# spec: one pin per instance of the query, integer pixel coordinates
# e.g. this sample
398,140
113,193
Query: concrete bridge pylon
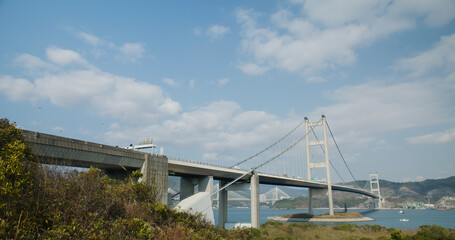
325,164
374,187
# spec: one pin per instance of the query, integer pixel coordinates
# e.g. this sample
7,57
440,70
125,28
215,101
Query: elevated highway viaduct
117,161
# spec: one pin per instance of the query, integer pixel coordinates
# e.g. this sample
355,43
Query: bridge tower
374,187
325,164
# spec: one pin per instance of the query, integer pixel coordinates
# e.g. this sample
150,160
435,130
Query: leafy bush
397,235
434,232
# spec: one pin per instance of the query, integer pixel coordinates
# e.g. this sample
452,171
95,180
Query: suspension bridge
273,195
300,158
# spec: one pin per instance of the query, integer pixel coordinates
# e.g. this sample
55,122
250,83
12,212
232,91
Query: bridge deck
182,168
85,154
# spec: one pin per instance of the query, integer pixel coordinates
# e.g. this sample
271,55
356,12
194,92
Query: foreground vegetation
278,230
39,202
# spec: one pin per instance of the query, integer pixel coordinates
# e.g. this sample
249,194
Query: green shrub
303,225
271,223
373,228
434,232
345,227
396,235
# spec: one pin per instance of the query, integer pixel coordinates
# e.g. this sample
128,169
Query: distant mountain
395,193
436,188
398,193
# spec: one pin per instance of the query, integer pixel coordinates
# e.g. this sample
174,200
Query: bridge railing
242,169
224,166
205,163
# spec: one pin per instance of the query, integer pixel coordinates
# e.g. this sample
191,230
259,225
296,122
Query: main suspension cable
324,153
262,164
275,143
355,180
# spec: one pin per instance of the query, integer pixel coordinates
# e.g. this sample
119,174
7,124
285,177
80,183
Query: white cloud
115,125
89,38
315,79
134,102
217,31
192,83
303,47
335,13
219,127
129,52
223,81
169,82
434,138
252,68
132,51
31,63
326,34
64,56
197,31
435,13
126,99
439,57
363,111
73,88
17,89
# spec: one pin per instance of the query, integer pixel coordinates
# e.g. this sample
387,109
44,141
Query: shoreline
335,220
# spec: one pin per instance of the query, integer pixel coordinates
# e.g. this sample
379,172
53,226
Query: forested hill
396,194
434,187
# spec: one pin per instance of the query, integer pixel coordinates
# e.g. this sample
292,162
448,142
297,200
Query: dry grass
276,230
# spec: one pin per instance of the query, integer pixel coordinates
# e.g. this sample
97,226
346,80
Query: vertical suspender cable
275,143
355,180
324,152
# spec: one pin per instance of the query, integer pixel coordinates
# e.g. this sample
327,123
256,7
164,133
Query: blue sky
217,81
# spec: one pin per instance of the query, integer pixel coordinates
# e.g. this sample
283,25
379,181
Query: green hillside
437,188
396,194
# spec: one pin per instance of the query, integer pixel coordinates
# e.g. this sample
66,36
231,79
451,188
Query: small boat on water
400,212
404,220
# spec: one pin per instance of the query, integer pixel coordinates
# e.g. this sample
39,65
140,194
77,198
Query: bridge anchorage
197,179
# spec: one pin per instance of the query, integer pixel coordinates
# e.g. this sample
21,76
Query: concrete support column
310,201
146,169
155,172
255,206
187,184
205,184
222,205
186,187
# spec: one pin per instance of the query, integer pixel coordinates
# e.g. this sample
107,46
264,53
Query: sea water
389,218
